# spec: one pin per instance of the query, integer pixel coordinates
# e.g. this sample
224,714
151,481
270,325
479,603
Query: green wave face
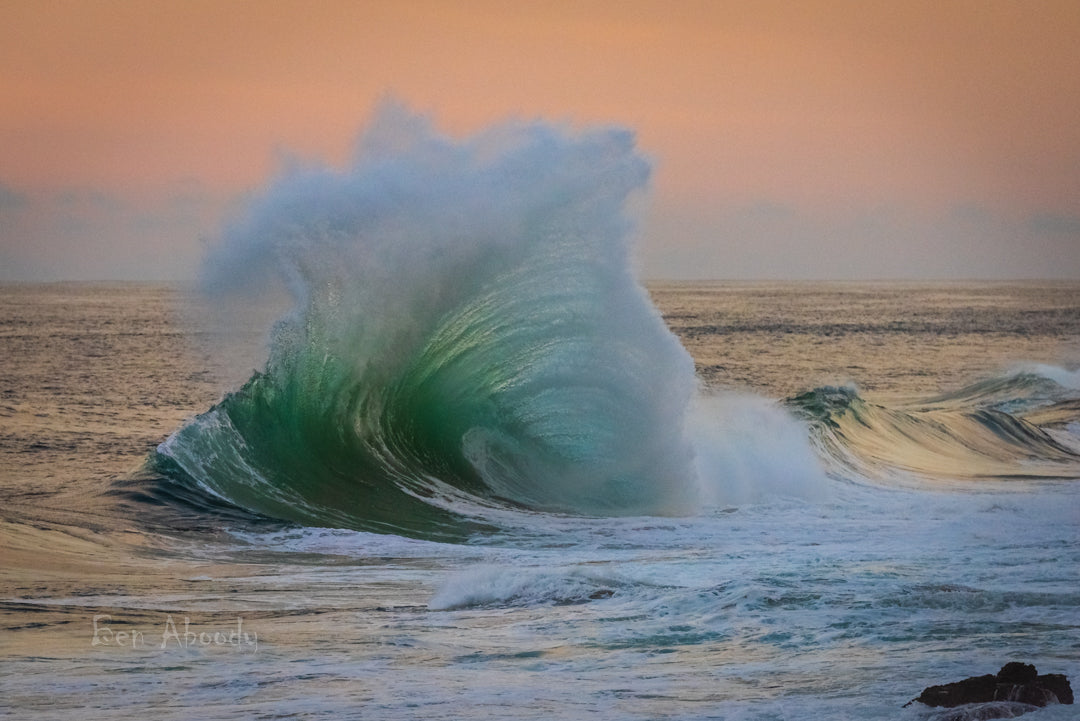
467,334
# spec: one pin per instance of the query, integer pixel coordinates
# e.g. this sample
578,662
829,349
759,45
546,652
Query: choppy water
944,541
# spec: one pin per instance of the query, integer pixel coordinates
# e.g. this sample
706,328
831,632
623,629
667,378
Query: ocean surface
942,539
421,446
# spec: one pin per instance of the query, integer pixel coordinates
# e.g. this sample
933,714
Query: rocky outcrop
1018,684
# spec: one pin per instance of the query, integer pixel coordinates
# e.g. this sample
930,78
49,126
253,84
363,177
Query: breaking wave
466,330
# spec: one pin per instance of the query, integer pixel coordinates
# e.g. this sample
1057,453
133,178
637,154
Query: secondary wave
466,332
1020,425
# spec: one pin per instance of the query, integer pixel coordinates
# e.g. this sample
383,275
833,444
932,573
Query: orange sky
791,139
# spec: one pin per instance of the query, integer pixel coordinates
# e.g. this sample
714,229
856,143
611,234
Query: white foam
1069,379
749,450
510,586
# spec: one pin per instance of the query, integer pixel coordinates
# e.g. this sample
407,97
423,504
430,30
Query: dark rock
969,691
1016,682
1059,685
1016,672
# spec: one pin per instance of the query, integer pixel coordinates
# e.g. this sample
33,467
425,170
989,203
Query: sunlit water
834,601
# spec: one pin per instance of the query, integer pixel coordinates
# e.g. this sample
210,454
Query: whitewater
423,445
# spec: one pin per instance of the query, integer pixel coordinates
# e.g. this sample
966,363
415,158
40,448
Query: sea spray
750,449
466,328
